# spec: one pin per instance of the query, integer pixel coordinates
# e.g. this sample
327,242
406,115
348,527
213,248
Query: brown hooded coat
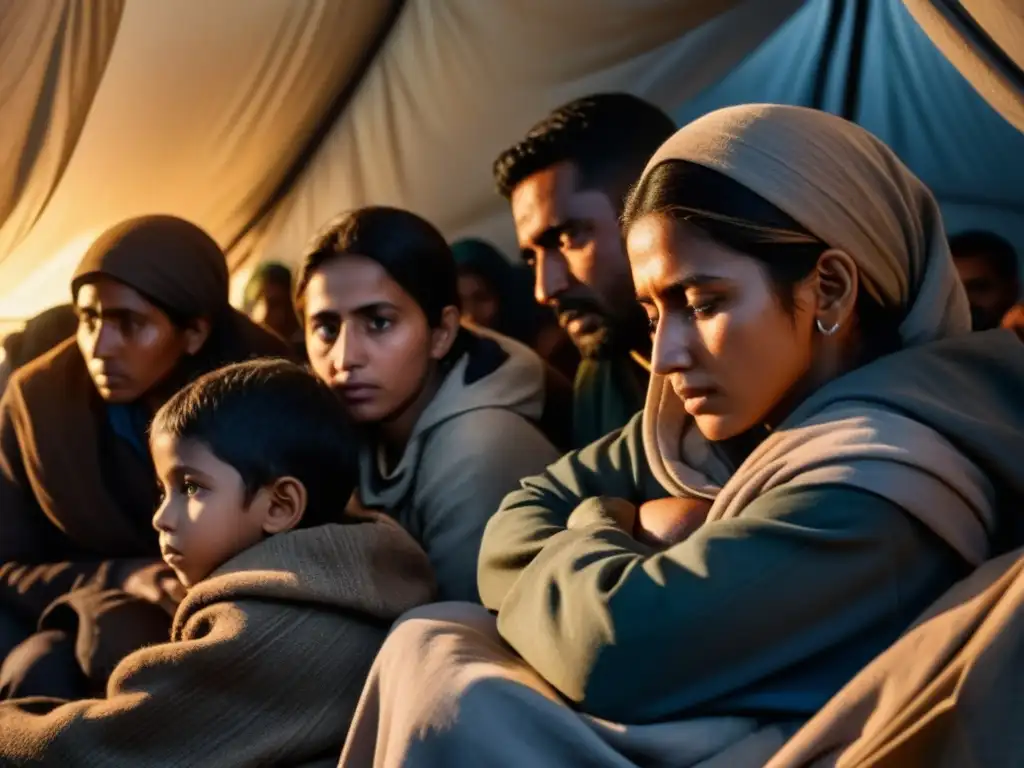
76,500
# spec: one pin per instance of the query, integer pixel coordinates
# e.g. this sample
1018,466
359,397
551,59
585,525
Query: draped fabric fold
53,57
456,82
203,109
946,695
253,117
984,39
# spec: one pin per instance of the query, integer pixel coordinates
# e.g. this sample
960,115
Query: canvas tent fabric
459,81
260,119
201,110
54,57
870,53
204,109
984,39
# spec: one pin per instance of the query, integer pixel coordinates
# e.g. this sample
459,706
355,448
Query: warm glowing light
48,284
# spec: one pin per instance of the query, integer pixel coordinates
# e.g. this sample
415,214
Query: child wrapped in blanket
288,600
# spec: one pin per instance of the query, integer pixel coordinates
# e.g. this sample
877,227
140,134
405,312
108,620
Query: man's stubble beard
618,337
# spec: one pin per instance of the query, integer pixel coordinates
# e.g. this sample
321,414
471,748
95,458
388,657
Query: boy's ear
287,499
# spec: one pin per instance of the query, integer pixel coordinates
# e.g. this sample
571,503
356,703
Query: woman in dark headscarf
497,295
77,489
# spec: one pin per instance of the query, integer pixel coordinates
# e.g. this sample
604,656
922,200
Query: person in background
816,381
288,599
498,295
40,334
77,487
1014,320
566,182
268,301
452,418
989,271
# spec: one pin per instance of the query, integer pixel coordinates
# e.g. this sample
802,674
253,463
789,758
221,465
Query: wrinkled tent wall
202,111
213,110
55,54
207,109
458,81
867,60
984,39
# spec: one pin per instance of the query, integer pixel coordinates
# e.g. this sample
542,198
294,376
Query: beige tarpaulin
54,56
460,80
985,41
259,119
205,107
201,111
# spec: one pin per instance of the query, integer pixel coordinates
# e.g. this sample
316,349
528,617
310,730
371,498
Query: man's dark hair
271,419
608,137
989,246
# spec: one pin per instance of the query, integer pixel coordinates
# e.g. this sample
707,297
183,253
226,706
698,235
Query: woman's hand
663,522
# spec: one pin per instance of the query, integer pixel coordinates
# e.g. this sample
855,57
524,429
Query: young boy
287,602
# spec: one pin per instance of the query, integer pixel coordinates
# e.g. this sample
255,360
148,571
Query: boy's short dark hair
608,137
270,419
989,246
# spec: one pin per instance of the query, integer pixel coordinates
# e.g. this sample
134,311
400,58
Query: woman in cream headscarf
817,405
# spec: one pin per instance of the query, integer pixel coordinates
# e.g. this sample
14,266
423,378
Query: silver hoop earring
827,331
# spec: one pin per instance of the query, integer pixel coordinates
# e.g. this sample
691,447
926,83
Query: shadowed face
368,338
570,237
480,305
732,352
273,308
990,294
129,345
203,519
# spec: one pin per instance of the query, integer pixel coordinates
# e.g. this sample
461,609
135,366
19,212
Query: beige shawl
851,191
947,695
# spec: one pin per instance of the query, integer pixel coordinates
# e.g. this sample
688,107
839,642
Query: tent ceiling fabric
224,112
202,109
458,81
984,39
54,55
